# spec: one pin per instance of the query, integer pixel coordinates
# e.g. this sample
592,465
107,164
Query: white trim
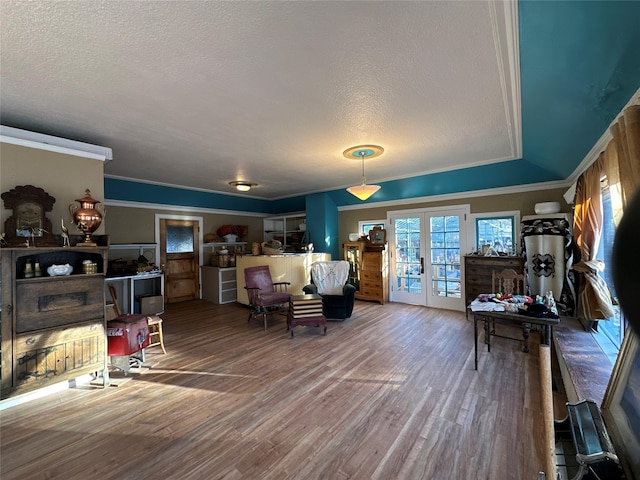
460,195
233,193
181,208
25,138
510,84
45,391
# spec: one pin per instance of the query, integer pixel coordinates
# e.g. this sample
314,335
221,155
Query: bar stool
155,332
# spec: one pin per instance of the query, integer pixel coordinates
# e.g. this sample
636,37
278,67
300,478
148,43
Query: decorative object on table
29,205
363,191
59,270
272,247
65,234
378,236
353,237
89,267
255,248
87,217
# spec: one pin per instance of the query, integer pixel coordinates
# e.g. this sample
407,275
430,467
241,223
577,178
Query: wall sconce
243,186
363,191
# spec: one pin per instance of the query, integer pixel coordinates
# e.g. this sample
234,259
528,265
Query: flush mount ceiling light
363,191
243,186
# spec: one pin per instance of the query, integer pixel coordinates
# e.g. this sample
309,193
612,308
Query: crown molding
40,141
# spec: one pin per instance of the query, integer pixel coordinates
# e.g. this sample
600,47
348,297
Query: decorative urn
87,217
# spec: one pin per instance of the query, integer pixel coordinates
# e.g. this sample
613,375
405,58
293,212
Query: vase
86,217
230,238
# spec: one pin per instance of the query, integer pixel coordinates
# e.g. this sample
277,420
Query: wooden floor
389,394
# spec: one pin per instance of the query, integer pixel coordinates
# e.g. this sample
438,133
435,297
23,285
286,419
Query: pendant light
363,191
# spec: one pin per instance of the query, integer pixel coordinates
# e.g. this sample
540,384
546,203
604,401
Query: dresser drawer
367,275
51,302
44,338
371,292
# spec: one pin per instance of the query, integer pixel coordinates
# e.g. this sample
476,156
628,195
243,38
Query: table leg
487,332
475,337
526,330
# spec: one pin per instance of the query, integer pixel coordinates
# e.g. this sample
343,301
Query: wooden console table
505,318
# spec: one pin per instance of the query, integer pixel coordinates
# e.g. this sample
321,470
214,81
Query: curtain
594,299
620,162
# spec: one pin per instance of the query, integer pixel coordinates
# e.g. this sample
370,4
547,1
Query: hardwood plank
390,393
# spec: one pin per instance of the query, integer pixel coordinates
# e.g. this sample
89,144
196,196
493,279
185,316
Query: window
365,225
497,230
610,332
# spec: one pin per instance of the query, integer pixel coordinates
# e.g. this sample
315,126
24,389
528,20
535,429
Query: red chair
265,296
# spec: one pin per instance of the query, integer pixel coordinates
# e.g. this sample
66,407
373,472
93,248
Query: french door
426,247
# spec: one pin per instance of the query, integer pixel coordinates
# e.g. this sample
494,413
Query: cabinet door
57,354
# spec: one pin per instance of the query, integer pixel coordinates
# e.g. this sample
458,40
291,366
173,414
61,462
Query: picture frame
378,236
621,404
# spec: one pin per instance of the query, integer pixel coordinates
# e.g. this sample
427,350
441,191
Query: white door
426,248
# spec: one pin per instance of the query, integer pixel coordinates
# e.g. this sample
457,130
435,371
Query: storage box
127,334
151,304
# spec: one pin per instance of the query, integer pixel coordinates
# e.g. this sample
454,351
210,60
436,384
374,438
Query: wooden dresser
374,277
53,327
478,270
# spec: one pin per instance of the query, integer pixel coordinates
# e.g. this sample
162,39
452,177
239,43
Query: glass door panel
408,267
446,283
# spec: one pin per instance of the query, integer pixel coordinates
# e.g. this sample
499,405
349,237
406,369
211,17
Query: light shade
243,186
363,191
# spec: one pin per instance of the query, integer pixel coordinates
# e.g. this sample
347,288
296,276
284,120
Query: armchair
329,280
265,296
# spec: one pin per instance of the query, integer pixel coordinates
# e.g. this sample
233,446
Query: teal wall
322,224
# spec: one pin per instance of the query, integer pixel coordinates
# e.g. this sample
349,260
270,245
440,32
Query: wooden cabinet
368,271
53,327
219,284
478,271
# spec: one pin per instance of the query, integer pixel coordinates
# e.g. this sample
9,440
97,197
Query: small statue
65,234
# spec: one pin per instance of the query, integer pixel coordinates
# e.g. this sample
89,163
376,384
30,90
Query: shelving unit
219,284
130,287
286,229
53,327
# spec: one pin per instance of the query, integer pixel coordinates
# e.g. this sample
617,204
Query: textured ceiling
198,94
202,93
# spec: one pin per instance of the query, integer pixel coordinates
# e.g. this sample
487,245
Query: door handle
421,265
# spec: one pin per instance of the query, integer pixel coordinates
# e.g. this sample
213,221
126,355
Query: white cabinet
219,284
288,229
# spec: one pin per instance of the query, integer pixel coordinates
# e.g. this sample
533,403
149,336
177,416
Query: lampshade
243,186
363,191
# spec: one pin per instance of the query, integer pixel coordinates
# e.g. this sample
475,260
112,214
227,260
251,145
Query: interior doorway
180,241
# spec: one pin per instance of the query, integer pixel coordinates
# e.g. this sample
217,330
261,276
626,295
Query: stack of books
305,306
